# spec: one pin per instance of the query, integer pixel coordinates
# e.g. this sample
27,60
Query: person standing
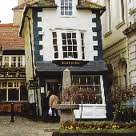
53,101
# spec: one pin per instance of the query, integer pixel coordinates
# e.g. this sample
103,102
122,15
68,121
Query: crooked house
60,35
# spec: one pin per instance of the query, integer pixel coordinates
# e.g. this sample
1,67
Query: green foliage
118,99
97,125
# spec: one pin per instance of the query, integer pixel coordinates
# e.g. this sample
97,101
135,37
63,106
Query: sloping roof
9,38
40,3
86,4
82,4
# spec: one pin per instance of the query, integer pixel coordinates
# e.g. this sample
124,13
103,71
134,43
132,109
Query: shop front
85,75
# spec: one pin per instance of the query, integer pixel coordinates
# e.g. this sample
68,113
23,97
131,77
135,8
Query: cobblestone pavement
25,127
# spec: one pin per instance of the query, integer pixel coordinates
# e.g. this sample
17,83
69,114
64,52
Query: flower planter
67,111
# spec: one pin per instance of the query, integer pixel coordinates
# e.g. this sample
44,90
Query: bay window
69,46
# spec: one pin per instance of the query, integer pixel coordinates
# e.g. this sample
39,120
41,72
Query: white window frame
9,62
67,6
15,85
93,85
79,42
74,10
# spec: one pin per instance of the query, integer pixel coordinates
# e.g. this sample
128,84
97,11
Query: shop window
90,82
13,94
3,94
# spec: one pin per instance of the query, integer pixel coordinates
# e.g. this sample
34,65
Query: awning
91,66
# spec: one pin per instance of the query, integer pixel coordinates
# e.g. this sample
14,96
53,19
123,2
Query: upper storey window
66,8
68,45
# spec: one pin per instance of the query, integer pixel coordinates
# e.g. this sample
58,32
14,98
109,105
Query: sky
6,13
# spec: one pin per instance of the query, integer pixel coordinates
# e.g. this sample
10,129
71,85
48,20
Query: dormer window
66,8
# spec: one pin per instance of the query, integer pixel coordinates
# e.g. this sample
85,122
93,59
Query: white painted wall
81,21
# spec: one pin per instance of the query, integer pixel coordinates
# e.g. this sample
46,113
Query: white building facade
66,34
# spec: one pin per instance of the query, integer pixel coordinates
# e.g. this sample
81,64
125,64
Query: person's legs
53,111
56,112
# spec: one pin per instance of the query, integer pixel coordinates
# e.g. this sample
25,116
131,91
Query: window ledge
107,34
64,16
120,24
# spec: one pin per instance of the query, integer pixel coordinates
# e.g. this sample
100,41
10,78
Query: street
25,127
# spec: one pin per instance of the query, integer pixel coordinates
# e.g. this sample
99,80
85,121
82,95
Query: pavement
25,127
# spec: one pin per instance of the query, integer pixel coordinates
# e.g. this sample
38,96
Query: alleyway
25,127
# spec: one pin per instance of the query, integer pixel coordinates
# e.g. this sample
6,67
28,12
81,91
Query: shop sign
70,62
33,84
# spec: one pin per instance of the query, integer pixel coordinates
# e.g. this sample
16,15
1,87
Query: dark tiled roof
82,4
40,3
94,66
45,3
9,38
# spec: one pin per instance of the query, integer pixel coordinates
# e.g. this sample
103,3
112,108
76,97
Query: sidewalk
25,127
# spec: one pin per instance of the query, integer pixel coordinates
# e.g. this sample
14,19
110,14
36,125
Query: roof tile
9,38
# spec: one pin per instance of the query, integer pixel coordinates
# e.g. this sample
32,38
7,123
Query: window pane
64,42
97,80
54,34
98,89
70,54
63,36
20,61
73,35
55,48
75,54
74,42
4,84
56,55
65,55
10,84
70,12
74,48
23,93
69,35
62,2
69,48
13,61
69,42
90,80
3,93
13,95
55,41
82,80
64,48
